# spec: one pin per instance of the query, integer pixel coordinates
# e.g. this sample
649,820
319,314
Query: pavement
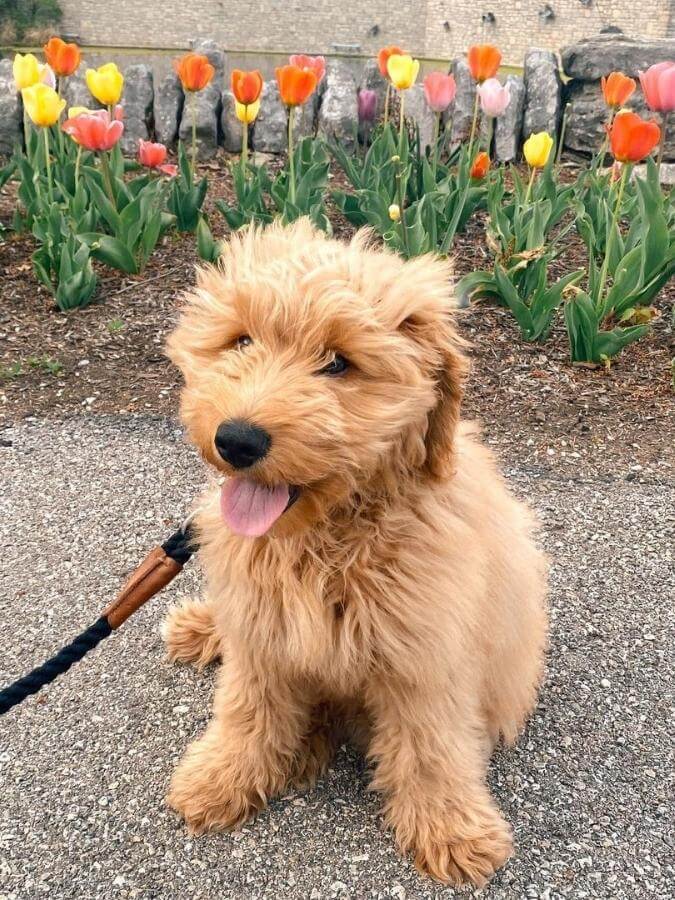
84,767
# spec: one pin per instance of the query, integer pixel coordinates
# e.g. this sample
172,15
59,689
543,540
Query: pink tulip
658,86
153,156
439,90
316,64
48,77
96,131
494,97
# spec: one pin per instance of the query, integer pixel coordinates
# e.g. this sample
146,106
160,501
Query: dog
368,574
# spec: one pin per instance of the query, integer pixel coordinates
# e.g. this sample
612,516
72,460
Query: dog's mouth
250,508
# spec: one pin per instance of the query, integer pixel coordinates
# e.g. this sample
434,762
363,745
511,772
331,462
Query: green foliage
261,199
186,197
62,261
208,247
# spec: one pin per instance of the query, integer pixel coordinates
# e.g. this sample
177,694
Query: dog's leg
247,752
189,632
430,765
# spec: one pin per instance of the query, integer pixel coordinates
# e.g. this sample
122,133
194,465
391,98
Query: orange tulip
194,70
296,85
246,86
63,58
383,58
617,88
632,138
481,166
484,61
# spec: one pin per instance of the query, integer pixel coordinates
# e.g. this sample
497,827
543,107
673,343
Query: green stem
561,139
48,163
77,164
401,123
105,169
662,143
244,147
530,185
610,238
400,187
291,161
386,105
437,128
193,111
491,131
473,125
26,135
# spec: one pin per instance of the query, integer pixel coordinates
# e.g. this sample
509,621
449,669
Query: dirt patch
536,407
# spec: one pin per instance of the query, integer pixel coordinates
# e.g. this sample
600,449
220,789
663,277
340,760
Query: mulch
536,408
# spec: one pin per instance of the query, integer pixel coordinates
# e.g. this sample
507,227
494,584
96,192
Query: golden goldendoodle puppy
366,566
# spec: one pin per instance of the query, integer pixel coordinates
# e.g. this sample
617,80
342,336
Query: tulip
481,166
246,86
195,71
316,64
382,61
402,70
153,156
439,91
394,212
494,97
63,58
75,111
616,89
484,61
96,131
537,149
247,113
43,104
632,138
658,86
366,103
48,77
105,84
26,71
296,86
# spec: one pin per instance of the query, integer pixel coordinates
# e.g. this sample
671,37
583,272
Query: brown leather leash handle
158,568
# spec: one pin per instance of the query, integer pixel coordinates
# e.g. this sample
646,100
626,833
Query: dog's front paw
203,793
452,855
189,633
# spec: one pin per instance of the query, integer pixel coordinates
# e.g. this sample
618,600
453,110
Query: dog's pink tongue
250,509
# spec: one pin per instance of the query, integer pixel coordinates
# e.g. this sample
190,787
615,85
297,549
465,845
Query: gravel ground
83,769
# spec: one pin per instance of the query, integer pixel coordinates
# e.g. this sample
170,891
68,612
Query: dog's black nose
241,443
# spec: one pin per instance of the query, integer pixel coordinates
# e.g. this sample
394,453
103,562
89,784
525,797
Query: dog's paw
190,635
460,860
203,796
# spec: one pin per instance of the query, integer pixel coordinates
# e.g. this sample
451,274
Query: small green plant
186,197
115,325
62,261
45,364
13,370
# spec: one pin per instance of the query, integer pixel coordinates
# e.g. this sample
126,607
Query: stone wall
435,29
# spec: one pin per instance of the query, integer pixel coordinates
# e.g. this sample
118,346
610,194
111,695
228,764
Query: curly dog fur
400,600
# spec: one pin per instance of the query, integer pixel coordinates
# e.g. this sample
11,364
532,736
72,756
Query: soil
536,408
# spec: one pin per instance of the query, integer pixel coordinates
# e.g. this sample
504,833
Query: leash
157,570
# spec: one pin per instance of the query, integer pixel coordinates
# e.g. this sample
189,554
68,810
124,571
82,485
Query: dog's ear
423,305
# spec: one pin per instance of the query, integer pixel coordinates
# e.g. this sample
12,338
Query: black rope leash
156,571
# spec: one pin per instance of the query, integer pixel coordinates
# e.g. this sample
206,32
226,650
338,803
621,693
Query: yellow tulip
247,113
537,149
394,212
43,104
75,111
402,70
105,84
26,71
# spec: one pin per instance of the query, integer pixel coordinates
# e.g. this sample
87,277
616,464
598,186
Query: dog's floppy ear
423,305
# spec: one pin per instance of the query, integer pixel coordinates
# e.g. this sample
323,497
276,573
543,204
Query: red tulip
316,64
383,58
246,86
296,85
151,155
96,130
439,90
658,86
481,166
63,58
616,89
484,61
632,138
194,70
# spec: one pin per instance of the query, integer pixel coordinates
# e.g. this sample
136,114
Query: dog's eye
243,341
336,366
